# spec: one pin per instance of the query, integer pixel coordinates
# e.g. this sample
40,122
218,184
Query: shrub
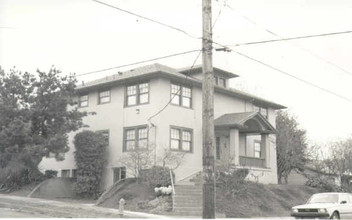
16,175
91,161
50,174
156,177
232,182
323,183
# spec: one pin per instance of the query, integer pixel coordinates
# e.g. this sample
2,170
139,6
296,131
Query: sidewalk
81,210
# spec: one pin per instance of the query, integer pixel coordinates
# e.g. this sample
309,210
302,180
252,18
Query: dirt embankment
258,200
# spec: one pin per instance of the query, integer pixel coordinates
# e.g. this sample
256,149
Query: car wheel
335,215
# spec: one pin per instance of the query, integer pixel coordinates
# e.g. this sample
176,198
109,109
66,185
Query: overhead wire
139,62
228,49
146,18
278,36
291,38
293,76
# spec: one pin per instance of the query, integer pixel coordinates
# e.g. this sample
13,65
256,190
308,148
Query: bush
91,161
156,177
16,175
323,183
232,182
50,174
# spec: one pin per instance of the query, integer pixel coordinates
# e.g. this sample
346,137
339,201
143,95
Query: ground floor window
181,139
74,173
218,148
257,150
119,174
65,173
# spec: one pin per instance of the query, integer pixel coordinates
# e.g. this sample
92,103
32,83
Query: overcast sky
80,36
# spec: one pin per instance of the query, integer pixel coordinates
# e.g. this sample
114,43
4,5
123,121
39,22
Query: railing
173,191
252,162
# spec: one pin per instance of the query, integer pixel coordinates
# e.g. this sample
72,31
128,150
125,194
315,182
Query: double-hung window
104,97
135,138
257,149
137,94
83,101
181,95
181,139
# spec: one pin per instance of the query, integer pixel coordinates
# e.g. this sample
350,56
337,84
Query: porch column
235,146
265,148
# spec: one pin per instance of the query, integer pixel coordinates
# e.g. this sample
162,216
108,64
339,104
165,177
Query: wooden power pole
208,115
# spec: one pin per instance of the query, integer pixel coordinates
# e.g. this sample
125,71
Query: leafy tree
90,157
291,146
35,117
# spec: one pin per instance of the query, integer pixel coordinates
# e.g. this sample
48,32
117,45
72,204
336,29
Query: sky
82,36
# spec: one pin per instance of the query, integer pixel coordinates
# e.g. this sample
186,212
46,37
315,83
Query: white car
325,205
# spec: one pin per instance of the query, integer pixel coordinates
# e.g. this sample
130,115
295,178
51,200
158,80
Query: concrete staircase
188,197
188,200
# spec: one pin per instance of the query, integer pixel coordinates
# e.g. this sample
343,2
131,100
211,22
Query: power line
223,6
139,62
290,38
292,76
149,19
278,36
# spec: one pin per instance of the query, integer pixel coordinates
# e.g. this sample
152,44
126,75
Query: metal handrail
173,190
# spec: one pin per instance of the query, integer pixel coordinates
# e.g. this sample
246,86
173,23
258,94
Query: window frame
180,147
79,101
73,173
138,94
136,137
68,173
99,97
181,95
218,79
217,148
260,149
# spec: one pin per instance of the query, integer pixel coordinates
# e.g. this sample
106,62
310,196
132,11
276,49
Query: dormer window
220,81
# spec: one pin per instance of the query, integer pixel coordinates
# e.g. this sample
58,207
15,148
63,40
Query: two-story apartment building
128,104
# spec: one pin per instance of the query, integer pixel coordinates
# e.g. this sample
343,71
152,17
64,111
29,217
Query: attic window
220,81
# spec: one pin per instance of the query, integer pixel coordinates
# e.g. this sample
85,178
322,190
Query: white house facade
127,107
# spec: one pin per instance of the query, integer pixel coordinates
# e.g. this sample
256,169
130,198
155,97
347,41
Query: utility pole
208,115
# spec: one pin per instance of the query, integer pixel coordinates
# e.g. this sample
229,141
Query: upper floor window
104,97
135,138
257,149
181,139
181,95
83,101
137,94
220,81
263,111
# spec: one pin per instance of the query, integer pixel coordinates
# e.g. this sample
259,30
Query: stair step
186,213
188,208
